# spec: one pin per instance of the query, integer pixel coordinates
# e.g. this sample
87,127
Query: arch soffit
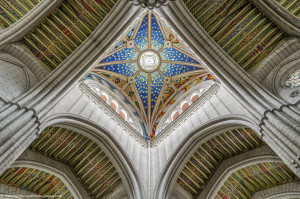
183,152
108,143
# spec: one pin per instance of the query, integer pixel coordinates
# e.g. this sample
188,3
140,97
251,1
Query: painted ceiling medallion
149,61
149,66
151,4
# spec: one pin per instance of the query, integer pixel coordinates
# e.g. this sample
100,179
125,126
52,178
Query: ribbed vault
36,181
151,66
206,159
253,178
239,27
86,159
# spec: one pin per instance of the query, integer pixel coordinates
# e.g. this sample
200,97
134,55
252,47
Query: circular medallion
149,61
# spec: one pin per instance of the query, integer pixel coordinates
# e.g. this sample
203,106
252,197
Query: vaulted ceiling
207,158
61,32
150,90
36,181
86,159
240,28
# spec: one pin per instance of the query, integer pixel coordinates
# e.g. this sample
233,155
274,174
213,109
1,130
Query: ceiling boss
149,61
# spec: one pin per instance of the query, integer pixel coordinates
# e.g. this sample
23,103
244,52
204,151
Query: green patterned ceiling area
240,28
293,6
86,159
60,33
13,10
36,181
246,181
208,157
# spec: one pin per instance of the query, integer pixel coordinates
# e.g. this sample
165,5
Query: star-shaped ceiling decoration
150,66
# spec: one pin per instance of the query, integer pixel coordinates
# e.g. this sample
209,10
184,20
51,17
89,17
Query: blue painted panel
124,54
157,38
141,38
175,69
157,82
175,55
126,69
141,82
118,45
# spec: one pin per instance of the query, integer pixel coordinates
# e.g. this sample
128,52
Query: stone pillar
18,129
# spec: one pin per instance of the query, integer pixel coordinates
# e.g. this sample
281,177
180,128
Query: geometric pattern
149,91
246,181
240,28
36,181
12,11
89,163
208,157
64,29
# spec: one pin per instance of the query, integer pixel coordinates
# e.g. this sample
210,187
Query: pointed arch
270,167
188,146
110,146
